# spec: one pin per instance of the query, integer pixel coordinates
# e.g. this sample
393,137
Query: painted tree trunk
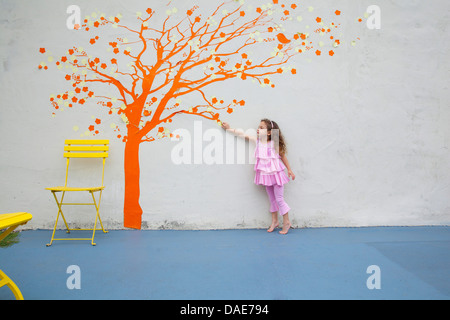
132,209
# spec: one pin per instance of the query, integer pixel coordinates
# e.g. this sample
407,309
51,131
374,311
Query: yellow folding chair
10,221
81,149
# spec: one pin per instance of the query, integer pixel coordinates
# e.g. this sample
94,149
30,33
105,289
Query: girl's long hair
278,138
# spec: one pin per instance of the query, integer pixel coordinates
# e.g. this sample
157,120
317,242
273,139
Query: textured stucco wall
368,131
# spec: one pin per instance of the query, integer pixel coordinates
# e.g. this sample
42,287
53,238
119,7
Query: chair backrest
86,149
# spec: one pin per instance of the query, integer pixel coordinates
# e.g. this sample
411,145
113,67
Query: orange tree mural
170,54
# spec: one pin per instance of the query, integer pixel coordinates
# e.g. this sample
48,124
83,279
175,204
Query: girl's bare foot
286,228
272,226
274,222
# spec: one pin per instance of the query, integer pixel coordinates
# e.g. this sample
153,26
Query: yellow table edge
14,219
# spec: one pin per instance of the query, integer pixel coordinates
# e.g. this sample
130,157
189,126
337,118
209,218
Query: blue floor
328,263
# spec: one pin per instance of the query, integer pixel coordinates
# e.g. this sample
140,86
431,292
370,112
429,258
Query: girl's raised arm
238,132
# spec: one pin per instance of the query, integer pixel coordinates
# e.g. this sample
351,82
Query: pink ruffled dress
268,167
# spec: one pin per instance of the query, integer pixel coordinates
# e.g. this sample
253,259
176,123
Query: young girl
270,163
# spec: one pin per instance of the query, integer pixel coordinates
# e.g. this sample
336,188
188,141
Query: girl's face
262,130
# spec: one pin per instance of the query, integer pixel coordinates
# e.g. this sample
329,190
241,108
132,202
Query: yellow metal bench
10,221
81,149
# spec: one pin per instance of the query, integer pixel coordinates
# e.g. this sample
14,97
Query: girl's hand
225,125
291,174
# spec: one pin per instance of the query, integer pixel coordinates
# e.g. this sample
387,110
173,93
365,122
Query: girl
270,163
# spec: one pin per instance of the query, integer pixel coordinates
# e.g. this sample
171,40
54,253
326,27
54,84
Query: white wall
368,130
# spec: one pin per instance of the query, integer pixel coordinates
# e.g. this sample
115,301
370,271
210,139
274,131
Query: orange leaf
282,38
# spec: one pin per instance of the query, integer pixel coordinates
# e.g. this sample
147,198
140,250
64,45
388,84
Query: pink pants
276,198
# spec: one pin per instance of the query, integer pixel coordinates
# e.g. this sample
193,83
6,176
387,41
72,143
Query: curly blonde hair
281,146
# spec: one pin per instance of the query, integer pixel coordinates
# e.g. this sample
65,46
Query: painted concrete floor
328,263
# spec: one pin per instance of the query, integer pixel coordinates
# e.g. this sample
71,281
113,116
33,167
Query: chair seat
60,189
14,219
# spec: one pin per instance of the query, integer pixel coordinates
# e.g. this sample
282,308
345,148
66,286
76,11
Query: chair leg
97,215
59,204
97,207
5,280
